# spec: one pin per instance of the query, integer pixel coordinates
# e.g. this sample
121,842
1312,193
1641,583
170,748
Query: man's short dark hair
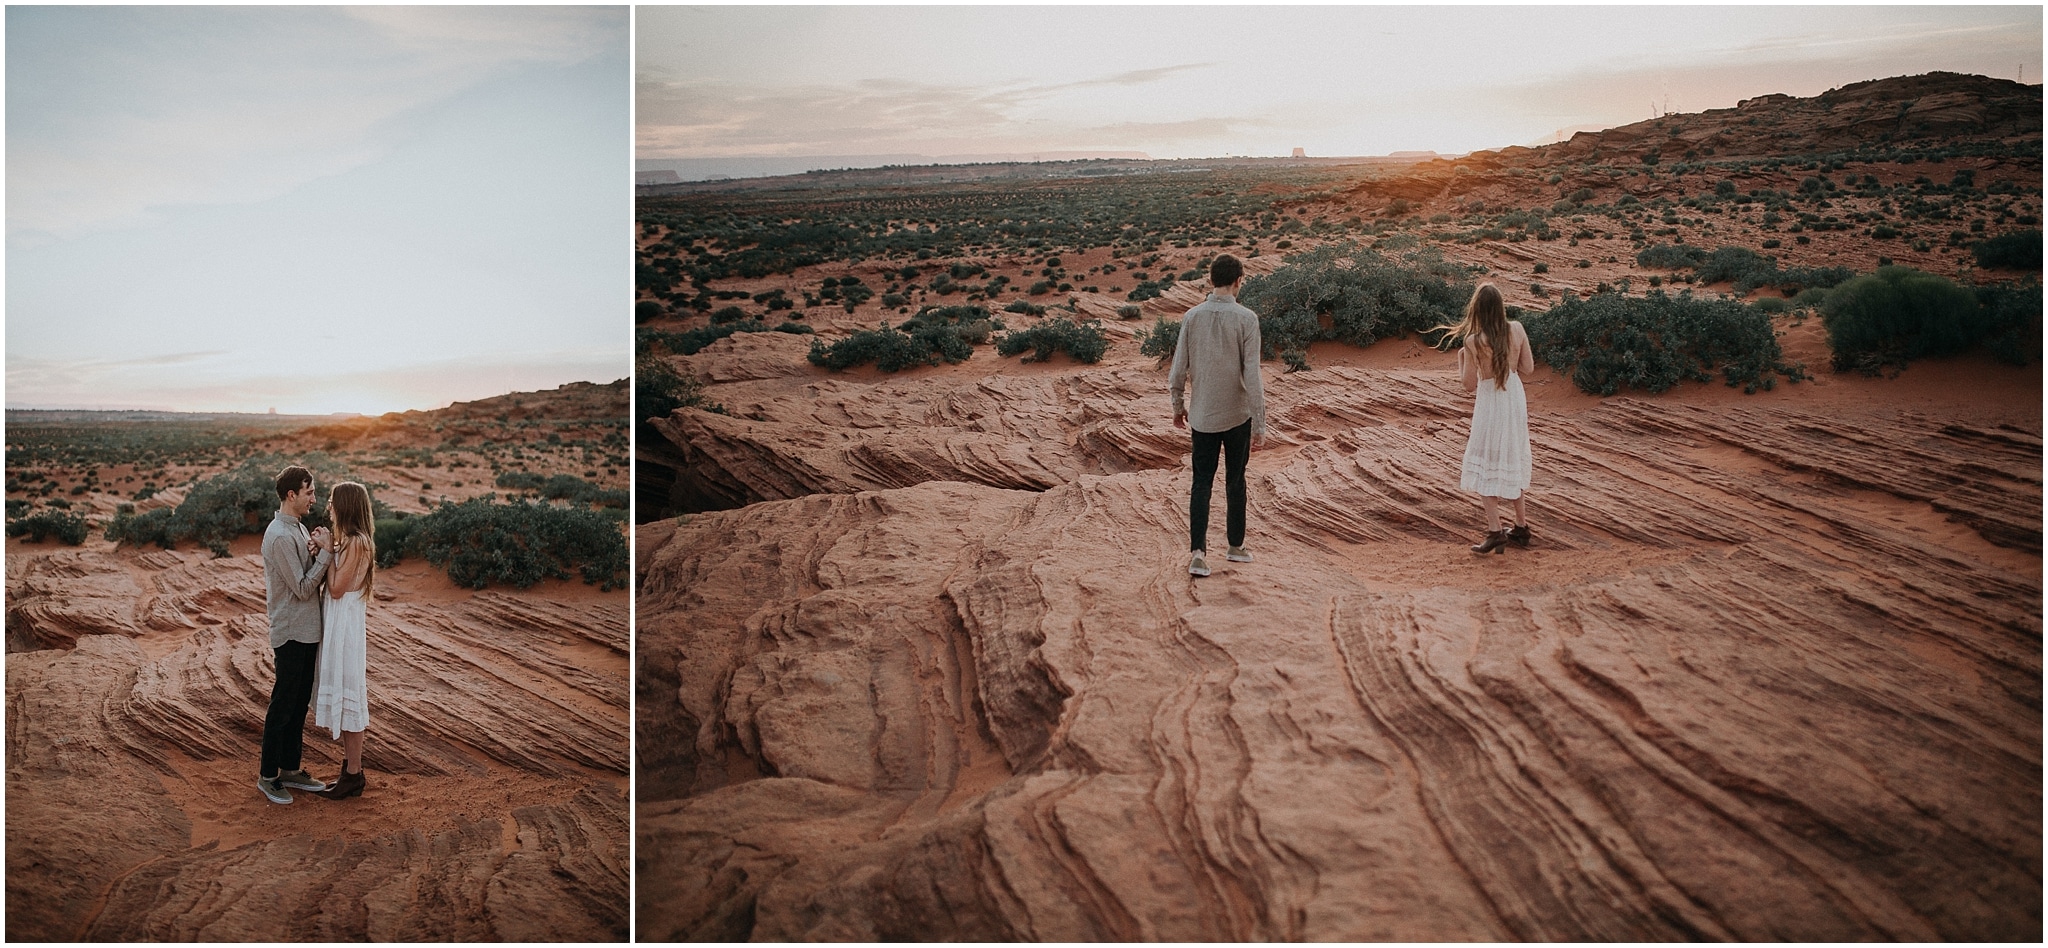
1225,271
291,479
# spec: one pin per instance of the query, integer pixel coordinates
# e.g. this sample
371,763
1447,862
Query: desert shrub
142,529
1350,294
1748,270
1026,307
1609,341
480,543
1670,256
1810,298
68,528
2012,322
1772,305
648,309
1889,318
947,333
1149,289
1159,341
226,505
659,390
889,349
392,535
972,323
729,314
519,480
1083,341
1129,311
2020,250
693,341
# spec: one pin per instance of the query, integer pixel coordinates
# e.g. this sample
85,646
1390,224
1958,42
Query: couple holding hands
317,585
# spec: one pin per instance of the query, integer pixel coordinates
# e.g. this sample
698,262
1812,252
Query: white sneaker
1238,554
1199,564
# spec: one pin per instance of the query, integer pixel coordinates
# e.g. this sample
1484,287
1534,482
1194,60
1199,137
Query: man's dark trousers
1236,445
284,727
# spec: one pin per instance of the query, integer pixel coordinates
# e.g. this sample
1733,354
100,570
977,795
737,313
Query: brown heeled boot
1493,543
348,785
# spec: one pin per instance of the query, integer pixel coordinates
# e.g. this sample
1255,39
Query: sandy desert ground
922,659
136,687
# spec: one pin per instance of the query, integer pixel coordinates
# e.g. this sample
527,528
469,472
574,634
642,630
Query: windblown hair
348,504
1486,316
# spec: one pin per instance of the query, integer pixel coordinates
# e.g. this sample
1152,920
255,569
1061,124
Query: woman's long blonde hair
1486,315
349,507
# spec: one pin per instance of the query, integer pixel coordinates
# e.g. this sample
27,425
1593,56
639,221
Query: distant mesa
657,177
1300,153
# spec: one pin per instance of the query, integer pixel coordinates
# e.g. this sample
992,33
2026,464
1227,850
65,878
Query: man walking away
293,565
1218,356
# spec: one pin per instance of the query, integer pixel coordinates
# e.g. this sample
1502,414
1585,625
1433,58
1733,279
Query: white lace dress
1497,452
341,700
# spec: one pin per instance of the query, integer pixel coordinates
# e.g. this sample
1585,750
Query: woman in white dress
1494,355
341,703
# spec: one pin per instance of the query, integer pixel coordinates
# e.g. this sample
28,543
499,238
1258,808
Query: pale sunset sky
314,209
1208,81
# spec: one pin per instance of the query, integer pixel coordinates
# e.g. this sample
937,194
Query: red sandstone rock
1771,669
136,688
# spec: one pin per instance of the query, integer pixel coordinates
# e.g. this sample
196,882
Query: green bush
1025,307
519,480
392,536
693,341
1083,341
241,501
2020,250
648,309
935,334
888,348
1670,256
660,390
481,543
1748,270
1351,294
2012,322
68,528
1889,318
1159,341
142,529
1609,341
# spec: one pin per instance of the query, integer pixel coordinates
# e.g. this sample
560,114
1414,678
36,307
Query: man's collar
286,517
1225,297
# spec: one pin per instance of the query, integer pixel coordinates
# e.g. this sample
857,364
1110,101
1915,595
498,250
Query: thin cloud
246,104
708,118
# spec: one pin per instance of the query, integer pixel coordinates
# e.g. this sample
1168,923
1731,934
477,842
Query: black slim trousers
1236,445
284,727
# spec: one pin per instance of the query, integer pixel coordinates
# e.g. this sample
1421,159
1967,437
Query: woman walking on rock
1491,361
342,705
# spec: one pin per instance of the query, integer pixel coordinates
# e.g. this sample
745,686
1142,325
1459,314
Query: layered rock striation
1768,671
136,690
